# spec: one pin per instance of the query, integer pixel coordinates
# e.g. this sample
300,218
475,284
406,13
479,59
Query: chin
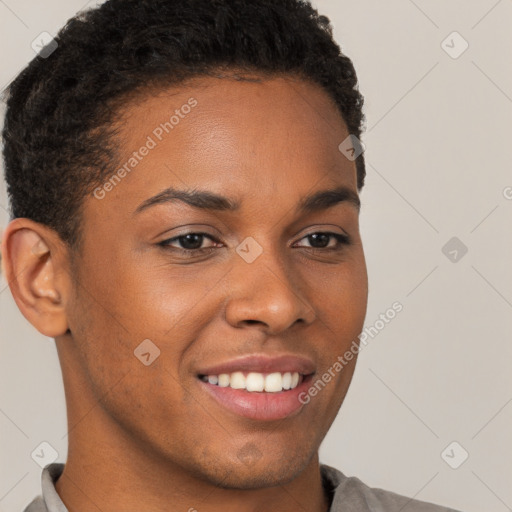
257,473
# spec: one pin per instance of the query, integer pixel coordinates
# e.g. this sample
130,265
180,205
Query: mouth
258,396
259,388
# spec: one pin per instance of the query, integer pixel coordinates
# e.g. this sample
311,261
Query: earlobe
34,260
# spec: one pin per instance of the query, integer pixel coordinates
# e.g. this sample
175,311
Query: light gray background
438,155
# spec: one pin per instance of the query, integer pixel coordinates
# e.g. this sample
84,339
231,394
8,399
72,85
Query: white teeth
237,380
223,380
256,382
274,382
287,380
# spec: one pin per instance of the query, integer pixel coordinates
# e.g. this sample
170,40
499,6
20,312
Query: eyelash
342,240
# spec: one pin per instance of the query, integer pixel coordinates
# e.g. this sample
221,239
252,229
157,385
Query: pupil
191,241
319,236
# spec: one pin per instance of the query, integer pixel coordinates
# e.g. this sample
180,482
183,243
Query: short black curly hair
59,141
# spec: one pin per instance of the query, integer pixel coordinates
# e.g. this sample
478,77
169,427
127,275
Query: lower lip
259,405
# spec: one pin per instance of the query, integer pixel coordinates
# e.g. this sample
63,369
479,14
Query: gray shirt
347,494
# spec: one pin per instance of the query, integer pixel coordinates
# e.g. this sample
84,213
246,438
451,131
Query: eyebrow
205,200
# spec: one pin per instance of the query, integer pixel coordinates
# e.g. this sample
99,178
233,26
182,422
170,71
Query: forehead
237,138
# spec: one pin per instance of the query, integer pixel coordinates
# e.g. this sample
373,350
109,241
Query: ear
35,262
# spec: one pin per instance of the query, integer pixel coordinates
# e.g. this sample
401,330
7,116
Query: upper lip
262,363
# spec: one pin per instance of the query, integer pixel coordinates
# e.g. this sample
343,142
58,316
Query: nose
266,292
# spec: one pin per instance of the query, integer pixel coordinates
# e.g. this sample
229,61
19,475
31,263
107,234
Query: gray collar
49,476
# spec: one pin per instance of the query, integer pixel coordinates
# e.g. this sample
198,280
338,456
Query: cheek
154,301
342,309
160,311
170,305
341,299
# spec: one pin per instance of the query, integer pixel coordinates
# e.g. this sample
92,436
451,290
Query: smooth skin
148,438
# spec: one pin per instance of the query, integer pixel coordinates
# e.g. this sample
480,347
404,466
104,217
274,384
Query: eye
322,239
188,242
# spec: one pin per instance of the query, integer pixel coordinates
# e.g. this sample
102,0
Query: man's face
254,285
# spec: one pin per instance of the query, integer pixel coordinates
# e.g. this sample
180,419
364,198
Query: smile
255,382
